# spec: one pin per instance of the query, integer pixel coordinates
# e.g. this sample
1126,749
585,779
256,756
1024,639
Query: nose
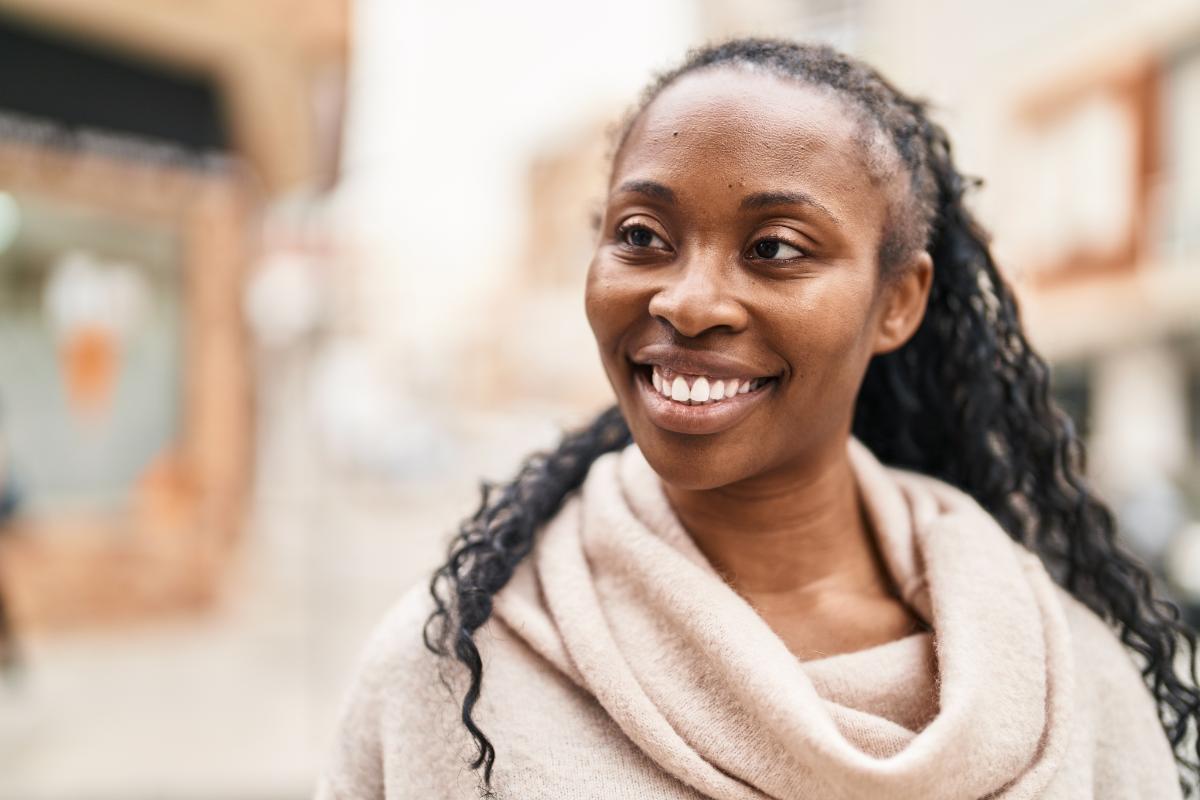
697,297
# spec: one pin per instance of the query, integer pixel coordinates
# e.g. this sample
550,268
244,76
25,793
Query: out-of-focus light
283,301
10,220
84,291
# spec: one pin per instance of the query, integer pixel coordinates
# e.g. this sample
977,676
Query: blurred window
1079,158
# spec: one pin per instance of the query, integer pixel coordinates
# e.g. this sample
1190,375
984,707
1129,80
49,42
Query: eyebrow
650,189
760,200
751,202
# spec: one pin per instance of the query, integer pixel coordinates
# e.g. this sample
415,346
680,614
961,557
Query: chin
693,463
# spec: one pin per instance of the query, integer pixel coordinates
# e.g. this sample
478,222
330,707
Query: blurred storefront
139,146
157,163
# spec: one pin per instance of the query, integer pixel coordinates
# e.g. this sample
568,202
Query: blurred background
281,280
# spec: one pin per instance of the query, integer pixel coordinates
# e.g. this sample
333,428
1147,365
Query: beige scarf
1019,692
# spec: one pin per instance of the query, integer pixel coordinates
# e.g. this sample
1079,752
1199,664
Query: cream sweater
618,664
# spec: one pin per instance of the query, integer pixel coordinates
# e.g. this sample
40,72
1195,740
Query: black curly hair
966,400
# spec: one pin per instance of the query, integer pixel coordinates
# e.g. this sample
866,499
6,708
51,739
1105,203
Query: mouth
698,404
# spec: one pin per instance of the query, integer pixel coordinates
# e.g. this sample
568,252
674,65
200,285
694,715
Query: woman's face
735,292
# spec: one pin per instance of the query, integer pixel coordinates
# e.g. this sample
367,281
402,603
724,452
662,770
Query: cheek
826,328
611,303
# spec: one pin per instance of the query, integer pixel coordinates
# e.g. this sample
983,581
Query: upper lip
697,362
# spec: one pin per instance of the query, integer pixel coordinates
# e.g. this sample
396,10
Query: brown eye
767,248
641,237
775,250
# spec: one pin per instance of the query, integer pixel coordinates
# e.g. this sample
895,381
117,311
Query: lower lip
699,419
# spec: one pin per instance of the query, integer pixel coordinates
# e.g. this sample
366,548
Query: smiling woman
718,589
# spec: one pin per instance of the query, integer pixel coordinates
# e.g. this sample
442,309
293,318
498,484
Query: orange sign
89,362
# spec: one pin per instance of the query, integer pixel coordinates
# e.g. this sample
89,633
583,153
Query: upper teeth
695,389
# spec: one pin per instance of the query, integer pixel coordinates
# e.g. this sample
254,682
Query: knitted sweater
619,664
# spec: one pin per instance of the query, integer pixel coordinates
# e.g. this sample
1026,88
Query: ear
903,303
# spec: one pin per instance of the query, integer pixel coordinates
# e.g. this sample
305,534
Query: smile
697,404
700,389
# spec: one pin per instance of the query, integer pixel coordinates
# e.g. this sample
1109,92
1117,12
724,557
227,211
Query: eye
775,250
641,237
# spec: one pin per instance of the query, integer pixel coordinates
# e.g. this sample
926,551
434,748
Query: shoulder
1116,714
398,638
394,700
397,677
1102,665
1102,662
1094,641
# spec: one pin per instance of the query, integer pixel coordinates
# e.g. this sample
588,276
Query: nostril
694,315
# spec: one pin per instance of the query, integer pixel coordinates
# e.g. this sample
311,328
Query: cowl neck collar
618,598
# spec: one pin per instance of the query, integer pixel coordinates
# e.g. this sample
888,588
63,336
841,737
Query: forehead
756,132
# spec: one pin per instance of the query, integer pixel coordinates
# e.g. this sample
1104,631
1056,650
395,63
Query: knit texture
619,664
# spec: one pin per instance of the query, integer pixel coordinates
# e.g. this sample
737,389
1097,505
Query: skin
772,500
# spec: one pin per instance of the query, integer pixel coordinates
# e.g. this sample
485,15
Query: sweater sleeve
355,766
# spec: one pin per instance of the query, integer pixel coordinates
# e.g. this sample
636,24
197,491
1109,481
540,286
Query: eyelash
783,242
627,228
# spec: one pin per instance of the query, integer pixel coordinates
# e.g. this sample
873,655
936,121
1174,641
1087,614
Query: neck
796,532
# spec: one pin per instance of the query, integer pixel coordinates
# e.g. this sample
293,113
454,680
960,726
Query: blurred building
159,164
139,145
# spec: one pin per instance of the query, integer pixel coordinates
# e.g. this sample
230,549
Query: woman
743,602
